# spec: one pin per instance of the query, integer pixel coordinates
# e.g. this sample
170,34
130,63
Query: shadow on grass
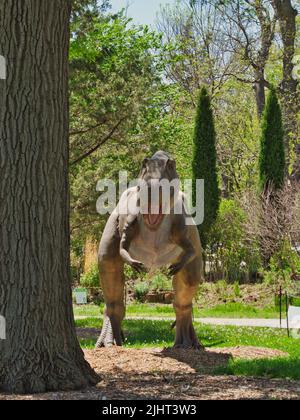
142,333
265,368
145,333
158,334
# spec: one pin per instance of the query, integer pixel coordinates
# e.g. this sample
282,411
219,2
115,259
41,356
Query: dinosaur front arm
188,254
126,239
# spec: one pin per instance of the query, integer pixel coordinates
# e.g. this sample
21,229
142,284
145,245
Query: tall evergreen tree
272,152
205,163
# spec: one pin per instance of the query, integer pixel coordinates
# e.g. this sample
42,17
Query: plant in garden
231,251
90,279
160,282
140,291
237,290
272,221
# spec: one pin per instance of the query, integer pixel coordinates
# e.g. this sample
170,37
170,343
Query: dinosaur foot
111,334
186,338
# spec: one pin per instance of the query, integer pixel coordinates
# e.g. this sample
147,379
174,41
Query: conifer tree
272,151
205,163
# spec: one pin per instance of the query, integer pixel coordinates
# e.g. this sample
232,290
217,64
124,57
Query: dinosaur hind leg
112,280
186,284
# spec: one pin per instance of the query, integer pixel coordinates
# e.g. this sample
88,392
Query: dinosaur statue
150,240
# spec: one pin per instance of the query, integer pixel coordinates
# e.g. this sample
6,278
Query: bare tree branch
98,145
87,130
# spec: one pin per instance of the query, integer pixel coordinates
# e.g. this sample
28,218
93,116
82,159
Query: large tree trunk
267,26
41,352
289,87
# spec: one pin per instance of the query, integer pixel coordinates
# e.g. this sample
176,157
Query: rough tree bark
260,93
267,31
287,14
41,352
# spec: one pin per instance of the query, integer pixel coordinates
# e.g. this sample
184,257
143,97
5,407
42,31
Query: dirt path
237,322
130,374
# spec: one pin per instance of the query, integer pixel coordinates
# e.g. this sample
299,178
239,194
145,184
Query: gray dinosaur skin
146,243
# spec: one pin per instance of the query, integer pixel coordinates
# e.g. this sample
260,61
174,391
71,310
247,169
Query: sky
142,11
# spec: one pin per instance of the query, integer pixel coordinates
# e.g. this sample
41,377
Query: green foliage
273,277
157,283
237,290
237,128
115,99
112,78
229,243
286,258
222,290
91,278
283,265
236,310
272,154
205,163
140,291
160,282
232,310
131,274
274,368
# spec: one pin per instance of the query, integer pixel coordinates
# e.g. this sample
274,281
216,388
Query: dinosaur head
158,177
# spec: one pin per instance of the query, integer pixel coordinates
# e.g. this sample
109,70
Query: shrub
90,278
131,274
234,256
222,290
237,290
283,266
160,282
140,291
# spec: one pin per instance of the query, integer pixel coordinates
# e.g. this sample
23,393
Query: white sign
294,320
2,67
2,328
80,296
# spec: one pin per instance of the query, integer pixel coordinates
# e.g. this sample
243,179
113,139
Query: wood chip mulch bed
149,374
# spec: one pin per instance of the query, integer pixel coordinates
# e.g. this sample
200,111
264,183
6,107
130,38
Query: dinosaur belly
154,251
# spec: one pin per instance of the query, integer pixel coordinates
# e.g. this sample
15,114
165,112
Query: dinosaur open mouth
154,217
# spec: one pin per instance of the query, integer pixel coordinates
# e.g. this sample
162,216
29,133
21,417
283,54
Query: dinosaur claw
111,334
174,269
138,266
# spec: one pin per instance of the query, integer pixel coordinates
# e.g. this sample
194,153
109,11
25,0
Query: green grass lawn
229,310
140,334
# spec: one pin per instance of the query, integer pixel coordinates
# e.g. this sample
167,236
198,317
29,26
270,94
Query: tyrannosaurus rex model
151,239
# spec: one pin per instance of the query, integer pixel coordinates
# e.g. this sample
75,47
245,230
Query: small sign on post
80,296
294,319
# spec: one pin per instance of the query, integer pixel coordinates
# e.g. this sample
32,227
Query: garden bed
167,374
165,297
